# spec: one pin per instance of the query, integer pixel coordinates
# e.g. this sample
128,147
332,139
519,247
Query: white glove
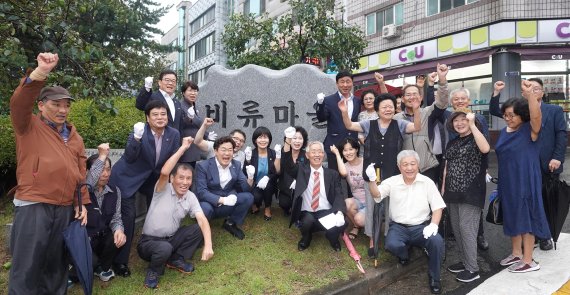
229,200
247,152
191,112
148,83
371,172
250,171
339,219
290,132
277,149
488,178
430,230
212,136
262,183
138,130
293,184
320,98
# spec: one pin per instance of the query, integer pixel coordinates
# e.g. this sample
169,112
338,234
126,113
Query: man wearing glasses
165,93
553,136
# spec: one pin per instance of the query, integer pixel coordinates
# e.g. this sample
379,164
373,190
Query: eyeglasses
509,116
237,139
536,89
173,81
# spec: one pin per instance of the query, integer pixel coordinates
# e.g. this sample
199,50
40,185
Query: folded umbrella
352,252
79,247
556,201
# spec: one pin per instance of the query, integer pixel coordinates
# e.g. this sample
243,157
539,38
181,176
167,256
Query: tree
105,46
308,30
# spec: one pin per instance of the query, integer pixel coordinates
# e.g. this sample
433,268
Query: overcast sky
168,20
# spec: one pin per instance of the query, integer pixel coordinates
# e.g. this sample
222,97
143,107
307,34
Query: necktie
158,146
316,190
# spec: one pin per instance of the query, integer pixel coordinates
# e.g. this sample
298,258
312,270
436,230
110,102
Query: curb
375,278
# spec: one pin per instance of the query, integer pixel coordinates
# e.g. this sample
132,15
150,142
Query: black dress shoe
122,270
482,244
545,245
232,228
434,286
301,246
336,246
266,218
403,261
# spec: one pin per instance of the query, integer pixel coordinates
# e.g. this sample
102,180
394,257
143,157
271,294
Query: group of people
425,159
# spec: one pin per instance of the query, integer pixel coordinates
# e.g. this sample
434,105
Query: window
391,15
256,7
202,48
437,6
202,20
199,75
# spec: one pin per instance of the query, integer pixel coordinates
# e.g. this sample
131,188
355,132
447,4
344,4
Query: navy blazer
137,165
145,96
328,111
333,190
552,138
208,186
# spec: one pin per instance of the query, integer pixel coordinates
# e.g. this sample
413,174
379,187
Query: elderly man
164,241
222,188
553,136
51,163
415,210
318,194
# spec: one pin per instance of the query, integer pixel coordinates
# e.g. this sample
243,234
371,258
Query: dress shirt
350,103
308,193
170,102
224,173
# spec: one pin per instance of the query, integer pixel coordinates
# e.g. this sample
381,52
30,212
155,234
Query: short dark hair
189,84
456,114
408,86
94,157
167,72
342,74
365,92
382,97
154,104
222,140
180,166
353,143
304,134
537,80
520,107
238,131
259,131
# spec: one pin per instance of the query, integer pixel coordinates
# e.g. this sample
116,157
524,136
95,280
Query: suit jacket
136,169
553,136
328,111
271,173
145,96
189,127
333,190
208,186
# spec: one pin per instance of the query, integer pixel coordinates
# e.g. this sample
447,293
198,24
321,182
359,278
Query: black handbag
494,212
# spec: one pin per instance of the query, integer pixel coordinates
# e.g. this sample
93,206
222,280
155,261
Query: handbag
495,212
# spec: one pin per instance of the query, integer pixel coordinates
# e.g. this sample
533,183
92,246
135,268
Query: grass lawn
265,262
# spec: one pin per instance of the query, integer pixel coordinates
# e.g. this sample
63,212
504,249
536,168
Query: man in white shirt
166,93
318,193
415,210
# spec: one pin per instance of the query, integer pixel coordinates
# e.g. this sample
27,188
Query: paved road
417,282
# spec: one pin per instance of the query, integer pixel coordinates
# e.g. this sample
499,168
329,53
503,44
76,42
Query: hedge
106,128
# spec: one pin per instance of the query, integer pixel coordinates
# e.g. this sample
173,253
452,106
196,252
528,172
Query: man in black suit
318,193
327,110
166,88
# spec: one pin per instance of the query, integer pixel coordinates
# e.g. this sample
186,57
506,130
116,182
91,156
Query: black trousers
264,195
128,214
285,200
39,260
310,224
158,250
104,250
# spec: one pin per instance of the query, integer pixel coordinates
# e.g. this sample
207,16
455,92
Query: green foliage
308,30
105,47
94,125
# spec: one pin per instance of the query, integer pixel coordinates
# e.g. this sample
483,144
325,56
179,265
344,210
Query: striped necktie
316,190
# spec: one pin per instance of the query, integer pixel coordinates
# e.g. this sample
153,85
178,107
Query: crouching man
164,241
411,197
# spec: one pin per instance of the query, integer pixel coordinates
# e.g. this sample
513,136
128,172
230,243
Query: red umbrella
391,89
352,252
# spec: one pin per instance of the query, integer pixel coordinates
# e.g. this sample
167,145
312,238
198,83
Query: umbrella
556,200
77,242
377,229
353,253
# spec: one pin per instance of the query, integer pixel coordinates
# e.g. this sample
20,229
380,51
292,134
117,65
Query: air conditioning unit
390,31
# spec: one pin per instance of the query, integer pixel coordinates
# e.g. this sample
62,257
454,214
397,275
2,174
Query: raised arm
480,139
416,126
533,107
98,165
199,141
442,99
170,163
381,83
348,124
430,96
494,107
340,163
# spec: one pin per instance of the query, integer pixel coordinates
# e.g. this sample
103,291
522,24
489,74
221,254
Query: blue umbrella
77,242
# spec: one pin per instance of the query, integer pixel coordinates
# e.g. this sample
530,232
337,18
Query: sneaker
151,279
523,267
545,245
456,268
467,276
104,276
180,265
511,259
